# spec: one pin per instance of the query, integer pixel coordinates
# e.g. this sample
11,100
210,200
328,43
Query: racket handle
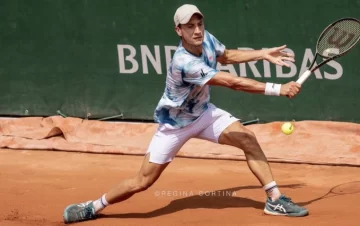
303,77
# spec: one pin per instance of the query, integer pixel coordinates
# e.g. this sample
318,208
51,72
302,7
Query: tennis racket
335,41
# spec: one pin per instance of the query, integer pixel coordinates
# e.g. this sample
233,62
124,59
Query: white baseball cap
184,13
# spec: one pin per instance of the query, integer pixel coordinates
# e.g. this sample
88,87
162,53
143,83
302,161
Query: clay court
37,185
48,164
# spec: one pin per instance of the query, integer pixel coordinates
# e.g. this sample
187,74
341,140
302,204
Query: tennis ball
287,128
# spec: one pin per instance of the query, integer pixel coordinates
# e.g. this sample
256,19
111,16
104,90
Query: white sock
272,190
100,204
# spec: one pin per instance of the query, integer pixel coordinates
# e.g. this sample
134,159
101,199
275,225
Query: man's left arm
275,55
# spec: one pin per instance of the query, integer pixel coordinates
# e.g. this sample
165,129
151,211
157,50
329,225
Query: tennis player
184,112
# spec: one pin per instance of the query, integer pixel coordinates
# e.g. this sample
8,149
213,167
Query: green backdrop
80,57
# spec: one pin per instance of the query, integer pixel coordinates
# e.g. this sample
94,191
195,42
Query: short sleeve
217,45
198,72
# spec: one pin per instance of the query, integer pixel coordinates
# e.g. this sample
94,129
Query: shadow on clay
221,200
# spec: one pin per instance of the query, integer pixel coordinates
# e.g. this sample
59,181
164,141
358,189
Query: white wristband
272,89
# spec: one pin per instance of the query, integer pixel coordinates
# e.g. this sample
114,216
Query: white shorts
167,141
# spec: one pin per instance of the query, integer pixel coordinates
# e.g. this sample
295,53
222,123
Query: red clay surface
36,186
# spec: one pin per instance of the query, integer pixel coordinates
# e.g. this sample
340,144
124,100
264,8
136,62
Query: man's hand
290,89
277,56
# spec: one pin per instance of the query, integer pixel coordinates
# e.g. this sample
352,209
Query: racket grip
303,77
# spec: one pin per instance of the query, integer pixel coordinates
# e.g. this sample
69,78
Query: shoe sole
300,214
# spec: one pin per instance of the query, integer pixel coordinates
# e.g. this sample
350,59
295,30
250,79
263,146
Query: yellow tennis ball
287,128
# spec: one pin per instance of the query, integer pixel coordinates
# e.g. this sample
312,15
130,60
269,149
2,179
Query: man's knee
143,183
247,139
148,175
239,136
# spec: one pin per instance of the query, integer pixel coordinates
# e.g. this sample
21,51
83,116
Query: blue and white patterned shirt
186,96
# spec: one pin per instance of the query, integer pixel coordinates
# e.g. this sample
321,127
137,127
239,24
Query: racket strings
339,38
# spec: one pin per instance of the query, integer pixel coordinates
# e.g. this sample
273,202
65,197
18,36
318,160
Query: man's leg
227,130
146,177
239,136
163,148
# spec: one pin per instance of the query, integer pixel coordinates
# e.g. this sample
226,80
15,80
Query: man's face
192,32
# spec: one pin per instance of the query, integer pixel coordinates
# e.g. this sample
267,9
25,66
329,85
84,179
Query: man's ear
178,30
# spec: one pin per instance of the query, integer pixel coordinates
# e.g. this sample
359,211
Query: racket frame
311,69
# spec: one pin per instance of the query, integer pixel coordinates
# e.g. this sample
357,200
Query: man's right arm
226,79
237,83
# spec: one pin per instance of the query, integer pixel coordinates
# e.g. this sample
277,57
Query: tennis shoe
284,206
79,212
